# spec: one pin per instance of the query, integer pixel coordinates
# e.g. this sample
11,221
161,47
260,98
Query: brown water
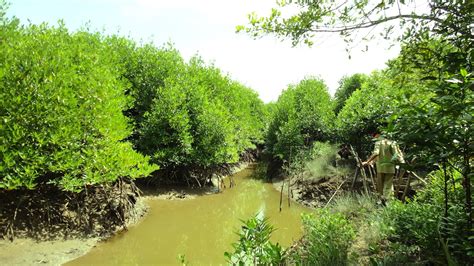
202,229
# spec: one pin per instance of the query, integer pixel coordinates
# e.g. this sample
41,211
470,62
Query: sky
207,28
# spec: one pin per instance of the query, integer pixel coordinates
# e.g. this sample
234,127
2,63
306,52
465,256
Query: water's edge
202,229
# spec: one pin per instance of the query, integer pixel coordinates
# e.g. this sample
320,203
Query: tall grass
354,205
317,162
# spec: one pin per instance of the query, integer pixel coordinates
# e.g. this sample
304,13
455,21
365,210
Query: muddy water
202,229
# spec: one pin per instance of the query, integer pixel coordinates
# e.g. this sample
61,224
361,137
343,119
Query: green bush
201,118
452,228
326,241
61,104
254,246
347,85
303,114
421,225
365,110
415,224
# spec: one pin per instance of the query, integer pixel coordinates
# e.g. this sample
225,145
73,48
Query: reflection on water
202,229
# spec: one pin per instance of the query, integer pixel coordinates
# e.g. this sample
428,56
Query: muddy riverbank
313,193
53,252
55,249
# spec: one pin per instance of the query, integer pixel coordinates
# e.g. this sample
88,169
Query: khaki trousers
385,185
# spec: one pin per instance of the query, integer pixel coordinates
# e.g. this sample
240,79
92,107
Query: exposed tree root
195,175
49,213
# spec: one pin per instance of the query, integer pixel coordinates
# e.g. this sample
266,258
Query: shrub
418,230
347,85
254,246
327,239
414,224
200,118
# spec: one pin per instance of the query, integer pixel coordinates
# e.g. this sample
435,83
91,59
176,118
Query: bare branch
369,24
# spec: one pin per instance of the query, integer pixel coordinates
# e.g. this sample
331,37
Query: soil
54,252
51,226
57,250
314,193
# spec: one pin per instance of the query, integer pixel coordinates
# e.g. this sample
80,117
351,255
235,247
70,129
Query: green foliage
445,116
61,103
187,114
439,129
146,68
303,114
420,227
198,117
415,224
367,109
452,227
64,96
254,246
315,162
327,239
303,21
347,85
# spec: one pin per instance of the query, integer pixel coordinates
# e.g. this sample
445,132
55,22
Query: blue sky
207,28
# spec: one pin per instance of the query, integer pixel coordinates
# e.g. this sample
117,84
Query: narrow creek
202,229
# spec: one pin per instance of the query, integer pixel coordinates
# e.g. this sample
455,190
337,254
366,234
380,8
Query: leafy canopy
61,104
303,114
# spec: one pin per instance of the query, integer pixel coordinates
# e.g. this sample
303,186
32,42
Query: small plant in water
182,259
254,246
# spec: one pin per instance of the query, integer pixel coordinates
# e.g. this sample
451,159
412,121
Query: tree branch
369,24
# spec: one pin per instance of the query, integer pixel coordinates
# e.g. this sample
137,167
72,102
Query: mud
50,226
314,193
48,213
55,252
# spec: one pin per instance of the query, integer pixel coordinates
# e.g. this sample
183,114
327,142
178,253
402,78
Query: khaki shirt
385,150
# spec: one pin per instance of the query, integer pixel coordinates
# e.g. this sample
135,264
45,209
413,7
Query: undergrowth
355,230
319,161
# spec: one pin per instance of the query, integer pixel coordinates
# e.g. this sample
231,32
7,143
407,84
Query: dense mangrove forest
118,152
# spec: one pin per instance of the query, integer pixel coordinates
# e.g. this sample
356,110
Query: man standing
387,154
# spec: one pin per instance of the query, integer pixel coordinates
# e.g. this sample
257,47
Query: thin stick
356,174
406,188
364,181
374,172
334,193
289,195
372,177
419,178
289,177
199,183
399,180
281,193
361,169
